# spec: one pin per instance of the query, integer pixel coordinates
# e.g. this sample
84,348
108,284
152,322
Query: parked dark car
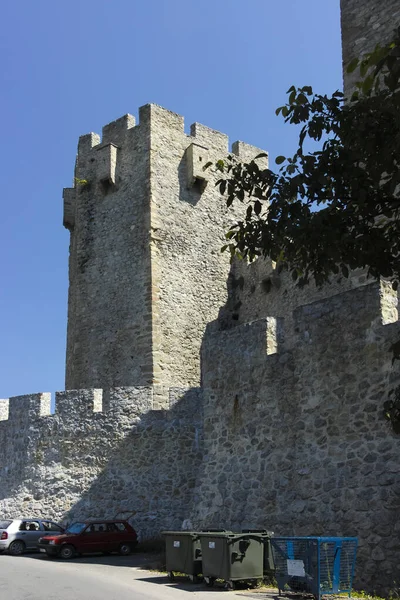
19,535
87,537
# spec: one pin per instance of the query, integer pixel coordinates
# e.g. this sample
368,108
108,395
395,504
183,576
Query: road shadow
135,560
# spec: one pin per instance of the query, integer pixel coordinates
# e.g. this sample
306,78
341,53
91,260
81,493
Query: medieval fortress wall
294,434
288,436
101,455
201,390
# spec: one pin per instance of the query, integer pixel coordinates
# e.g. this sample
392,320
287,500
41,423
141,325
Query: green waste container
268,562
183,553
231,557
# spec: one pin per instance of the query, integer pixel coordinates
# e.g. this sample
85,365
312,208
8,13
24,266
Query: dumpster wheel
229,585
171,576
209,581
194,578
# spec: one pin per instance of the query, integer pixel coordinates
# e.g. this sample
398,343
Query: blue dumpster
315,565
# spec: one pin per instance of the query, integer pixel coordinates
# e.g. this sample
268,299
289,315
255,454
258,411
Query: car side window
96,528
49,526
29,526
120,526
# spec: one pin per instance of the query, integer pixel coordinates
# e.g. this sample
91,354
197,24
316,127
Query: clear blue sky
69,67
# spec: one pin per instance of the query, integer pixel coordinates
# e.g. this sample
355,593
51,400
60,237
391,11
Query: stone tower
364,24
146,273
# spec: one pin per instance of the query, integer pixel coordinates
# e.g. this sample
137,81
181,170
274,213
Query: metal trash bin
268,562
182,553
231,557
316,565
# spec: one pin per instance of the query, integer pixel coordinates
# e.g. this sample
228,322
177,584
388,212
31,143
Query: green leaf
280,159
302,99
363,68
352,65
367,84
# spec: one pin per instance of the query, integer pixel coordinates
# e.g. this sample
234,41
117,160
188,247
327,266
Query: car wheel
124,549
16,548
67,551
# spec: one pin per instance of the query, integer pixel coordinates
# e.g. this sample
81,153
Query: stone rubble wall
189,221
288,436
295,441
100,456
364,24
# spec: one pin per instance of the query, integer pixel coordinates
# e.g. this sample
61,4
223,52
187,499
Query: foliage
336,208
81,182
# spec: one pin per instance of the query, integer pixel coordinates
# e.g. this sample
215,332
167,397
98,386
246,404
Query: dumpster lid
182,532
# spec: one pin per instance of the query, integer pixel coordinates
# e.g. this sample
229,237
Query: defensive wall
287,433
295,437
101,455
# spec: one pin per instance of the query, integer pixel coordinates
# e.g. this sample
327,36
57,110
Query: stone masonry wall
364,24
101,456
289,437
257,289
109,340
295,440
189,221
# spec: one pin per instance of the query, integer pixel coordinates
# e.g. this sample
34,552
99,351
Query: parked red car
86,537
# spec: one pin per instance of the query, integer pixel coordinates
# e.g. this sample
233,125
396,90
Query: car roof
102,521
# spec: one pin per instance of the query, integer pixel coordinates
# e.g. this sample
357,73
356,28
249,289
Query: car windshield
76,528
5,524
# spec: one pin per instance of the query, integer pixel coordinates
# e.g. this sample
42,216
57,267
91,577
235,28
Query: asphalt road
35,577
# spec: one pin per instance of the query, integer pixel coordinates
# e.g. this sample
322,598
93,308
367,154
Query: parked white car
19,535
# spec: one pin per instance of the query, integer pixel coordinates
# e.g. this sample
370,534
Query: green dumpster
231,557
183,553
269,565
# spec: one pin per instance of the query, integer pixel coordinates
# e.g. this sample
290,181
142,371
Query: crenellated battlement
117,133
82,405
97,156
367,314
